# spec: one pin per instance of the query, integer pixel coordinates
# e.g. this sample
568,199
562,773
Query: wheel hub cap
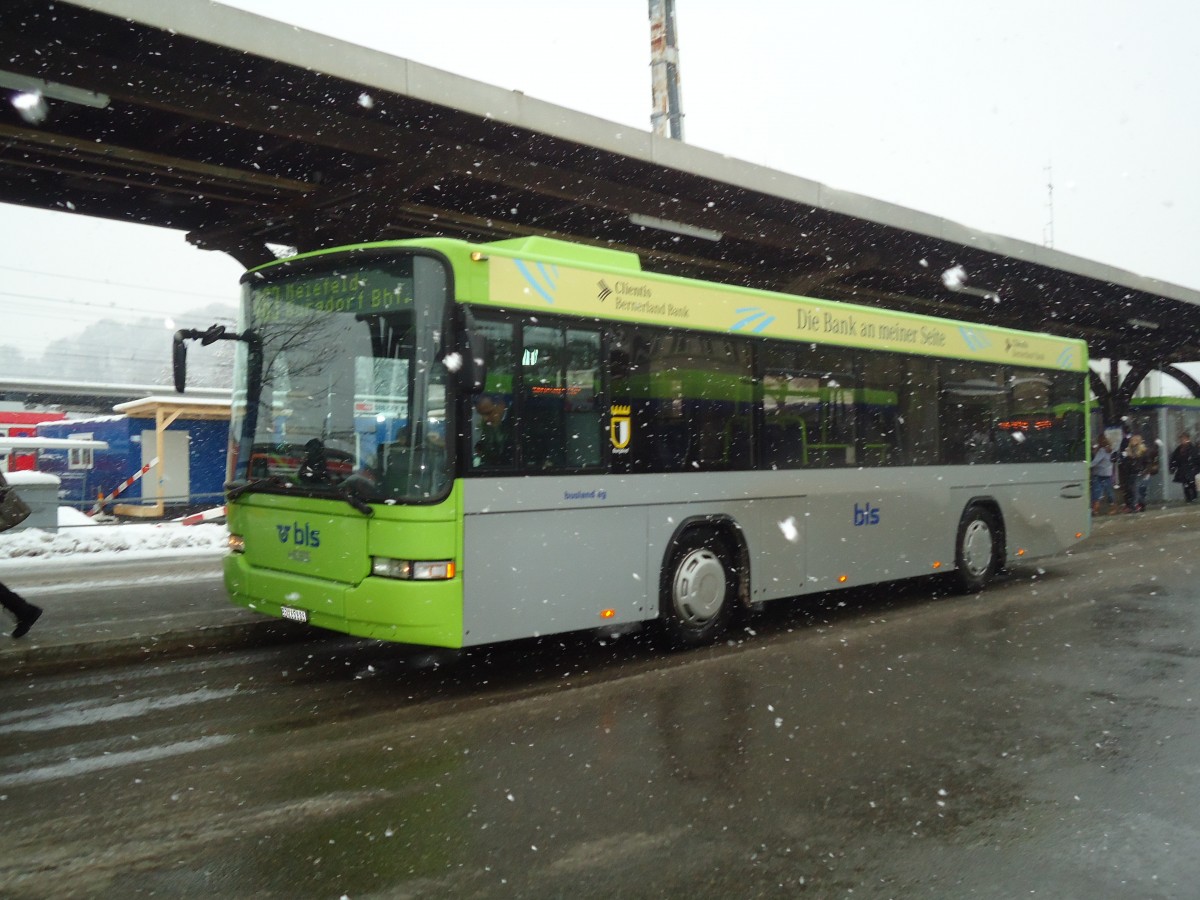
977,548
698,589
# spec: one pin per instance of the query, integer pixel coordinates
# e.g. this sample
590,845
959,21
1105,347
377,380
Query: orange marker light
1020,552
607,613
937,565
842,579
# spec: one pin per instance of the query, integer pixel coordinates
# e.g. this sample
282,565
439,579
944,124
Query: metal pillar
667,116
1114,397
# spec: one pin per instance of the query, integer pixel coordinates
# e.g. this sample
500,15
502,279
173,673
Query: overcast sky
963,110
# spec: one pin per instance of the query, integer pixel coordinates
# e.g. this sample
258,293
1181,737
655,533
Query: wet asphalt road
1037,740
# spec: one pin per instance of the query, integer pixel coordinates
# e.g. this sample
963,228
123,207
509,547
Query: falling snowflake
954,277
789,529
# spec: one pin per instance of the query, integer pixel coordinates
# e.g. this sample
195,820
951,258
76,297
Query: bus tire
699,589
978,550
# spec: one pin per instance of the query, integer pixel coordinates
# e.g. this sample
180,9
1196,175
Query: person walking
1185,465
25,612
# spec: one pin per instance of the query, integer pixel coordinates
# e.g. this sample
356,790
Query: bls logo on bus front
301,535
865,515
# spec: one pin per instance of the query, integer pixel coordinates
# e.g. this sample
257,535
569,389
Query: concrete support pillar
667,116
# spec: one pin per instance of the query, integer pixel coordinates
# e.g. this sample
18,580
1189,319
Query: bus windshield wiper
345,492
348,493
256,484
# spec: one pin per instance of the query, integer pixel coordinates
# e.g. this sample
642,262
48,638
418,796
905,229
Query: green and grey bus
451,444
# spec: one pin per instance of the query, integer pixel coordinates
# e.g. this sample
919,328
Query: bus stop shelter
248,133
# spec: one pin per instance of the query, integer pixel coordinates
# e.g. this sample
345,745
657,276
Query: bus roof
559,277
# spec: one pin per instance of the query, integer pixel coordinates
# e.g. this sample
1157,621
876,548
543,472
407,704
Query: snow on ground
83,539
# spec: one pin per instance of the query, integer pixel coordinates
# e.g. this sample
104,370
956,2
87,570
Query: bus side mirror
179,361
472,347
476,377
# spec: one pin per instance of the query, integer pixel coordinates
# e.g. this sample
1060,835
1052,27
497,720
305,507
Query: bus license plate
296,615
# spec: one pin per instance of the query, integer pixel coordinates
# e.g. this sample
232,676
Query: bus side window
881,423
809,407
700,393
921,432
1070,429
785,433
972,398
492,416
560,379
690,401
584,428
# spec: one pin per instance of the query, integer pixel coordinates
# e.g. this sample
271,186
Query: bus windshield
353,396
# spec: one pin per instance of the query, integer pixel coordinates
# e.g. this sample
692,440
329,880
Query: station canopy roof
246,132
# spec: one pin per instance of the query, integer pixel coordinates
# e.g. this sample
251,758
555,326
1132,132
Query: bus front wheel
978,550
699,589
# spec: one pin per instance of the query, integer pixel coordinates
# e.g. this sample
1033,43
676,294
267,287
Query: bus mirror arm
210,335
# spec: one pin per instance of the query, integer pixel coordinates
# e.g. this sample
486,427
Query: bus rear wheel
698,590
979,549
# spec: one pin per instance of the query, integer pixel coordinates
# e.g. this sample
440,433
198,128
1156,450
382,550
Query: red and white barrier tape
207,515
101,500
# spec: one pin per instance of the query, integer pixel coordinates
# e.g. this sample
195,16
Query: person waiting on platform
1185,465
1143,464
1102,476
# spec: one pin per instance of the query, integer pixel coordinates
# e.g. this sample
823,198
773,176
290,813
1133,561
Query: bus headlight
412,570
236,543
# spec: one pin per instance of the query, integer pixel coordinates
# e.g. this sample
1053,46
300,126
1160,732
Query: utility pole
667,116
1048,229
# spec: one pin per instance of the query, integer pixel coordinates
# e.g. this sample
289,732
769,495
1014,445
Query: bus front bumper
426,613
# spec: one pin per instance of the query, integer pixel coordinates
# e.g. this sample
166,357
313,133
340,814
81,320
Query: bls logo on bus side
865,515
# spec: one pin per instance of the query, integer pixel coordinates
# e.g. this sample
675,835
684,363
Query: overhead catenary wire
107,307
174,291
